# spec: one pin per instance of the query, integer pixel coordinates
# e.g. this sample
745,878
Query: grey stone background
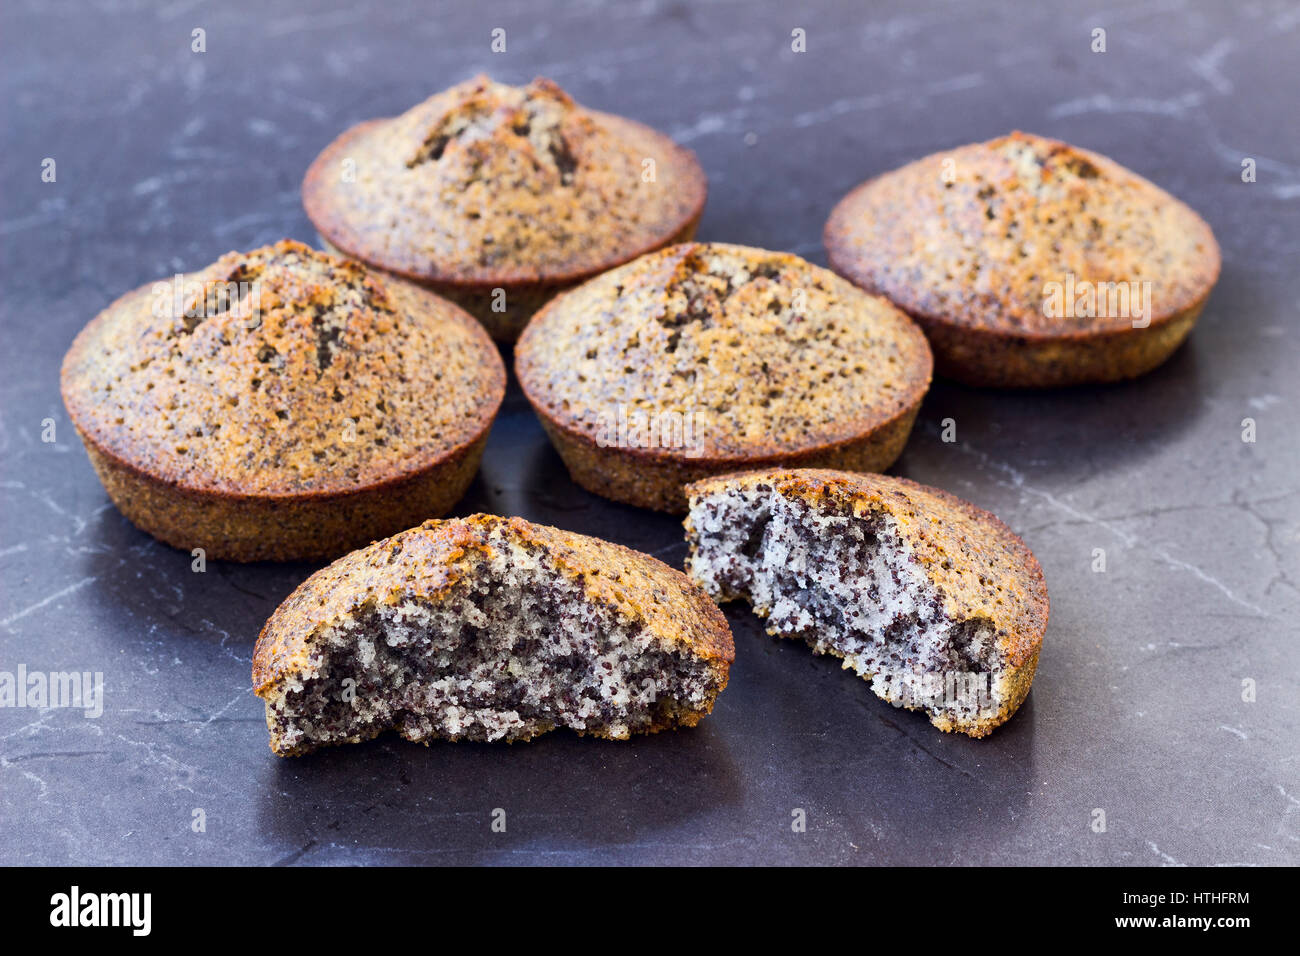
168,158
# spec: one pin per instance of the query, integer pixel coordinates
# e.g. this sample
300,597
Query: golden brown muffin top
973,236
424,563
979,564
279,372
767,352
486,183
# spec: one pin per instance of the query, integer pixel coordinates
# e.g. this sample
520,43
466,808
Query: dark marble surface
167,158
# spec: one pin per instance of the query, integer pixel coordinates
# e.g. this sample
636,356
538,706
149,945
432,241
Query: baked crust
967,241
423,565
775,360
486,186
981,567
297,429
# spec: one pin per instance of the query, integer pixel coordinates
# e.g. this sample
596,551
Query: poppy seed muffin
934,601
706,358
282,404
486,628
1029,262
497,197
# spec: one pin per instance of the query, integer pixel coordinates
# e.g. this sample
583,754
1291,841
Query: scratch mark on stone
71,588
1104,103
1168,860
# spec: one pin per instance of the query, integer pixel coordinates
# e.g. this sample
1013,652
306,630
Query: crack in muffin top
769,353
282,371
486,182
973,236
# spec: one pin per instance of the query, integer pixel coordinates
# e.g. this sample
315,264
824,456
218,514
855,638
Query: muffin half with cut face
489,629
935,601
282,404
705,358
497,196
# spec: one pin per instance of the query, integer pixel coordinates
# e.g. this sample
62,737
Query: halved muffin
282,404
705,358
1029,262
487,628
497,197
936,602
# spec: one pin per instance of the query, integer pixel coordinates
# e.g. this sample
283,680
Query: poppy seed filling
511,650
849,586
